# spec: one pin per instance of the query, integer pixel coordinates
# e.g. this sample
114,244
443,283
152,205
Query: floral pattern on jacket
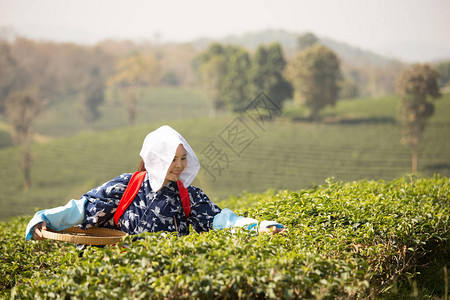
150,211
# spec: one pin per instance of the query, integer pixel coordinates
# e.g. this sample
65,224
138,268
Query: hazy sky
414,30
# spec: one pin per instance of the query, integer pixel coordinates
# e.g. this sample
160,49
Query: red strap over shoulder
128,196
185,201
133,187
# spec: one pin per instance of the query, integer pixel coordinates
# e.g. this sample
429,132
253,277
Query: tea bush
343,240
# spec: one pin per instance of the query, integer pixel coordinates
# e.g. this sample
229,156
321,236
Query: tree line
233,77
36,74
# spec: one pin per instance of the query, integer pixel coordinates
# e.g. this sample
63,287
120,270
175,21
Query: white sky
410,29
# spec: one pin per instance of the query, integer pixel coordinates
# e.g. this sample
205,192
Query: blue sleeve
59,218
206,215
94,208
228,219
203,210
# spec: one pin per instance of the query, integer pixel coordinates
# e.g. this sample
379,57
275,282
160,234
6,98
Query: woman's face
178,164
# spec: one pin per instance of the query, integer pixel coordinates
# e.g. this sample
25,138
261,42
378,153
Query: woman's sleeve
102,202
203,210
228,219
59,218
94,208
206,215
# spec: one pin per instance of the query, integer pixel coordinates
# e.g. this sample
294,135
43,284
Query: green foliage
232,78
133,73
7,64
306,40
347,89
443,68
267,74
20,260
210,69
22,108
222,71
372,74
169,78
415,85
343,240
314,74
236,86
93,96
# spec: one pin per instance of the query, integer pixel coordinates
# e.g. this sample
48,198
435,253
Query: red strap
185,201
128,196
133,187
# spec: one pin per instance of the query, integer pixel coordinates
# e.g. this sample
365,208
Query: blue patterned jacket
150,211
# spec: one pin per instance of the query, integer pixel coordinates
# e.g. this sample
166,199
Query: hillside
372,74
288,40
356,140
155,105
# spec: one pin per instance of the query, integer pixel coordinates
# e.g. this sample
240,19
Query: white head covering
158,151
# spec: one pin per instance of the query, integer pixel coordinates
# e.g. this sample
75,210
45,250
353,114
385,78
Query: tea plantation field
355,240
358,139
358,225
154,105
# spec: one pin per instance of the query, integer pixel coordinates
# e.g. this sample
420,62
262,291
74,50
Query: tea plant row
343,240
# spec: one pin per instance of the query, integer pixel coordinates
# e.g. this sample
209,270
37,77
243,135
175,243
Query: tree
90,67
7,67
92,95
315,74
443,69
267,73
169,78
235,88
34,74
22,107
211,73
211,68
347,89
414,86
306,40
132,73
25,90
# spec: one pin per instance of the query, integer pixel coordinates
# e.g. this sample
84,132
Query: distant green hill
372,74
288,40
357,139
154,105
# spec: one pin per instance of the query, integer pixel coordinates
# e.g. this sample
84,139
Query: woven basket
91,236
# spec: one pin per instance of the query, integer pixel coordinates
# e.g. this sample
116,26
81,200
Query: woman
166,158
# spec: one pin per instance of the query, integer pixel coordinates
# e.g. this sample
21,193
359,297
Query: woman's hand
271,229
36,231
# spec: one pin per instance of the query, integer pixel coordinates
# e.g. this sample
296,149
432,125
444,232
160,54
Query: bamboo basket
91,236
